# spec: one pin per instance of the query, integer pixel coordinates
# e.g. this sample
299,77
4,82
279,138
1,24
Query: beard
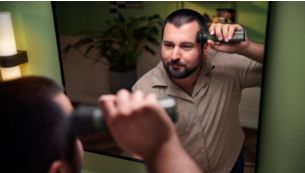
178,70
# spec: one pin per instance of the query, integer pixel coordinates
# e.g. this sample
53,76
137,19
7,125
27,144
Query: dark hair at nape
184,16
34,129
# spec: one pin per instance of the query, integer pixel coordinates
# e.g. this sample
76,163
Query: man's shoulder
146,81
147,77
221,58
230,62
227,59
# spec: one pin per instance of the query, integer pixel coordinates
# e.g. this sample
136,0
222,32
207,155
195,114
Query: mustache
175,62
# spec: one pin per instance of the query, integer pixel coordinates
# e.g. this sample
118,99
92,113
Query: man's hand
138,123
248,48
141,127
225,32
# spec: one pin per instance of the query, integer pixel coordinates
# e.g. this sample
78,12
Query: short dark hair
184,16
34,128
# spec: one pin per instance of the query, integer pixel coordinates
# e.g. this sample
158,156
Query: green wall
79,16
94,163
282,125
74,17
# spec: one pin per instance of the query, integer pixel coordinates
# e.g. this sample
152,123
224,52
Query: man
36,135
207,89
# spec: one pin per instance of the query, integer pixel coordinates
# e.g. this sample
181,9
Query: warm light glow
7,38
10,73
7,46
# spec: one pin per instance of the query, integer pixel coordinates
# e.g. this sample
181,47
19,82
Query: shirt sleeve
249,72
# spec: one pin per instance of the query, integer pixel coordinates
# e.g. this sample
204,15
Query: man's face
180,53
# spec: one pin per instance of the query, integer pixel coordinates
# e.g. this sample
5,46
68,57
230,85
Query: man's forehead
183,33
190,24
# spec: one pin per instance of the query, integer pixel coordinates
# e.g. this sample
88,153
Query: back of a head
34,129
184,16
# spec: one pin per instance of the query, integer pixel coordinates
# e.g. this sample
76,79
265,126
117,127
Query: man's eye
186,46
168,45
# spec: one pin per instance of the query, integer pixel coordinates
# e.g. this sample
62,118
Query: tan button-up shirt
208,123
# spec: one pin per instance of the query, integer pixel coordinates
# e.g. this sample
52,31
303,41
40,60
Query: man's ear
59,166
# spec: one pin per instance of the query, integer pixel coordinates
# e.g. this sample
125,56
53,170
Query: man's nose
176,54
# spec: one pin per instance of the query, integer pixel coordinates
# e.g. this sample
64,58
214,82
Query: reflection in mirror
99,57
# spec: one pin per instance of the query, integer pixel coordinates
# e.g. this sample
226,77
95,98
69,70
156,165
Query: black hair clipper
238,36
88,119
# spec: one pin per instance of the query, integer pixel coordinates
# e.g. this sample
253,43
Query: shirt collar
161,79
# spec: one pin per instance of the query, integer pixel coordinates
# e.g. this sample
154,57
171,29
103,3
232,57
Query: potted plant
120,45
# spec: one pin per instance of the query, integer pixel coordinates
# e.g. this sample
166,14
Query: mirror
86,76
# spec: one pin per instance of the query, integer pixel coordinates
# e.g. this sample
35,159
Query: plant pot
120,80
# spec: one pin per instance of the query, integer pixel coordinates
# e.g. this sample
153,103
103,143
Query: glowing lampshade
7,46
